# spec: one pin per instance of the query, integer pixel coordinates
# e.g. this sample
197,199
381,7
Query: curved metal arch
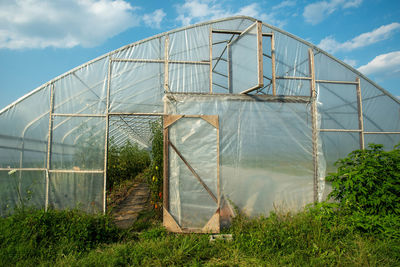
109,54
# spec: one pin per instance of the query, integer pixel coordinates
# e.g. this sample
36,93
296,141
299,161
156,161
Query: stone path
138,200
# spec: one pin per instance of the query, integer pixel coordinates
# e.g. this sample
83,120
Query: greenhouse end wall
286,111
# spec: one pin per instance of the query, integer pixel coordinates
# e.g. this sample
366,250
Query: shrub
367,188
368,180
45,235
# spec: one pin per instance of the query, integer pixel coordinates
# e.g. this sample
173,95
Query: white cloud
316,12
64,24
283,4
193,11
382,33
385,64
153,20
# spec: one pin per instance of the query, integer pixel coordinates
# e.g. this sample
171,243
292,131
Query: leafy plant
125,163
368,180
155,172
367,188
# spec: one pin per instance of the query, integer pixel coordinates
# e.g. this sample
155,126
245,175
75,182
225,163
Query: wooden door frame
213,225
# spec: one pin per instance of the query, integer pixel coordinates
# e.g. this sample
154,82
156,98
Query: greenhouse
253,118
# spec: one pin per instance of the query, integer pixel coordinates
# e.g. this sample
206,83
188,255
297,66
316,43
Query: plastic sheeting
76,190
190,203
78,143
22,188
266,147
265,151
136,87
243,60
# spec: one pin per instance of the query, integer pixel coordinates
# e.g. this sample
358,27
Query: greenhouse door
191,173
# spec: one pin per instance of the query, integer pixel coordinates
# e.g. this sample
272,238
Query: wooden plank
245,92
226,31
360,113
260,55
109,75
273,64
211,66
218,161
243,97
193,172
136,114
213,225
161,61
166,67
336,82
137,60
23,169
229,62
169,222
205,62
381,132
314,122
293,78
166,170
236,32
247,29
76,170
49,145
341,130
211,119
170,119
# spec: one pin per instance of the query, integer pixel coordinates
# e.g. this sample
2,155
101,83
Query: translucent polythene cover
71,190
265,151
196,140
21,188
244,61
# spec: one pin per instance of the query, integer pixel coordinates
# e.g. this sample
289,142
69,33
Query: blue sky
41,39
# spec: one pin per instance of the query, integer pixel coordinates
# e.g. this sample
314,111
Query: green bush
125,163
367,188
36,235
368,179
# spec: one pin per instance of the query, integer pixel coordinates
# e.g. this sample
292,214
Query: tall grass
313,237
31,236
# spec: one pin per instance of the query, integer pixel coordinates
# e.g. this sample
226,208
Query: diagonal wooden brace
193,171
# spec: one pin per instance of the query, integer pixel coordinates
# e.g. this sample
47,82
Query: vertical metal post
211,64
106,135
166,67
49,144
273,64
360,113
314,122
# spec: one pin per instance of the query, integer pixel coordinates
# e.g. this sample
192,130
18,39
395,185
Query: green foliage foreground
362,228
366,187
313,237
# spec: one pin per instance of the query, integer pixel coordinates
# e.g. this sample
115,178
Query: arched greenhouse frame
253,117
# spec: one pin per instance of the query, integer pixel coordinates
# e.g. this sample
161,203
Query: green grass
315,237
